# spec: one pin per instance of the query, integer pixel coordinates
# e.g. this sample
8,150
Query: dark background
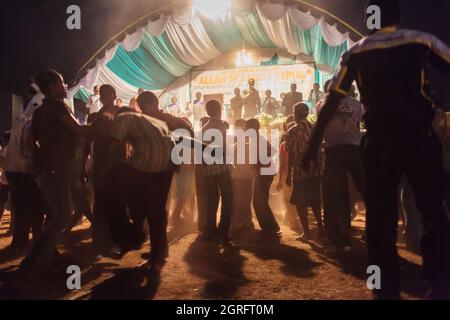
34,33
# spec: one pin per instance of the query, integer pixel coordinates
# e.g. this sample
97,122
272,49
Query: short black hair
301,110
252,123
107,90
147,98
239,123
44,79
213,108
390,11
327,85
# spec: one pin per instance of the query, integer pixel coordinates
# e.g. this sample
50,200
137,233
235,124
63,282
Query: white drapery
194,47
191,42
281,30
155,28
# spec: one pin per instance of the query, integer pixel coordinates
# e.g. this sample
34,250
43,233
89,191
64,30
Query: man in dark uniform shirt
290,99
251,101
390,68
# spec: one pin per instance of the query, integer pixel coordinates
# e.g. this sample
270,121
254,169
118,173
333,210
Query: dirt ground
254,268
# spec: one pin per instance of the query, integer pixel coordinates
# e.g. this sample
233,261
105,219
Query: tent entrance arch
161,52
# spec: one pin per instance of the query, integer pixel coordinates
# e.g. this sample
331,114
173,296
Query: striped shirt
297,140
149,140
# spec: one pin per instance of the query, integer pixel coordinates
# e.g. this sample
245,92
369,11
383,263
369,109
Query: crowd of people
115,166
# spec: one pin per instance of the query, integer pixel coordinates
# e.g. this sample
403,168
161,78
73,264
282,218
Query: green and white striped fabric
157,54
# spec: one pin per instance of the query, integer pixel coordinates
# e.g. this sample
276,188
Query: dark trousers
145,195
242,200
55,187
202,201
341,161
306,193
264,214
218,187
418,155
412,218
27,207
101,238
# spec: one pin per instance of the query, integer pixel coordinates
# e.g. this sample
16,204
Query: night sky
35,36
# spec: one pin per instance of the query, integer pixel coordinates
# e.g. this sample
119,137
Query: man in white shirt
26,198
94,104
315,96
342,138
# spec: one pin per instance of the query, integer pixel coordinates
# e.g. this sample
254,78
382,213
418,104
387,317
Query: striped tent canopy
161,51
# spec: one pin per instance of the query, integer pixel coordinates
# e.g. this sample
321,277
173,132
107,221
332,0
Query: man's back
390,68
56,142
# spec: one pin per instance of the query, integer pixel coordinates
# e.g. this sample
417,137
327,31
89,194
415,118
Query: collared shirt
289,100
390,69
297,139
150,140
216,169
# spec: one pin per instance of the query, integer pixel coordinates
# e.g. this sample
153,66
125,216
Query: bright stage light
243,59
212,8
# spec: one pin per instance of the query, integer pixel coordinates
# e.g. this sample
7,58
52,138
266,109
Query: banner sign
277,78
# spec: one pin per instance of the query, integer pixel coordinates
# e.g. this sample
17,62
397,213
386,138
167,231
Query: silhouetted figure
54,131
262,183
236,105
306,183
290,99
251,101
242,176
390,68
270,104
217,180
99,149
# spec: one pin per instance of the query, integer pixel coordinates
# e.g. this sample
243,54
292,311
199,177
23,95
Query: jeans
341,161
417,154
242,196
55,187
218,186
264,214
